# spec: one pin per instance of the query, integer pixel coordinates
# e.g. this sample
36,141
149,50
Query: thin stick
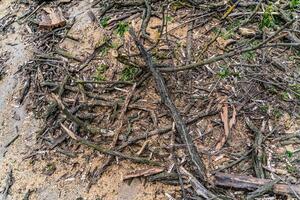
8,183
121,117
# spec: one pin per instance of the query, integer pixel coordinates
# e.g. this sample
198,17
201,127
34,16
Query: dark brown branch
252,183
166,99
257,153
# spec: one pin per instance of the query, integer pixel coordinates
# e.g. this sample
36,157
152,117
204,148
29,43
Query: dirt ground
68,181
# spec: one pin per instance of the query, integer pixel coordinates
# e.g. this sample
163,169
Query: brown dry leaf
221,41
224,118
232,121
69,132
224,43
143,172
221,100
53,18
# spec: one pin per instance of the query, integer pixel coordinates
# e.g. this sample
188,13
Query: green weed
99,73
277,113
291,169
178,5
104,22
49,169
264,108
227,35
285,96
224,73
129,73
216,30
289,154
248,56
296,89
294,4
267,18
272,89
122,28
104,51
230,31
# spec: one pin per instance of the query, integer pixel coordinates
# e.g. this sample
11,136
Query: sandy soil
68,180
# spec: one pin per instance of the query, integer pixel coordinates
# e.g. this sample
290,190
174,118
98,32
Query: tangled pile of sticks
170,96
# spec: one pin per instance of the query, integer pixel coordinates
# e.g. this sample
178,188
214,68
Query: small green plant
168,18
230,30
216,30
264,108
122,28
128,73
104,22
267,18
272,89
285,96
178,5
49,169
294,4
248,56
255,43
277,113
224,73
289,154
291,169
227,35
98,75
296,89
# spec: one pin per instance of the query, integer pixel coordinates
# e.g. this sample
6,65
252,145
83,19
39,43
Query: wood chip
247,32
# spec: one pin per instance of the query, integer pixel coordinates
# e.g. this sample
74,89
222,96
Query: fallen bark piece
252,183
143,172
262,190
52,18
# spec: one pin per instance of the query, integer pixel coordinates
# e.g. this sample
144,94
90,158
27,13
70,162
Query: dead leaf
143,173
69,132
224,118
233,118
52,18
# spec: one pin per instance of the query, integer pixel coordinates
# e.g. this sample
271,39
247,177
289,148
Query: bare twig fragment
143,172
